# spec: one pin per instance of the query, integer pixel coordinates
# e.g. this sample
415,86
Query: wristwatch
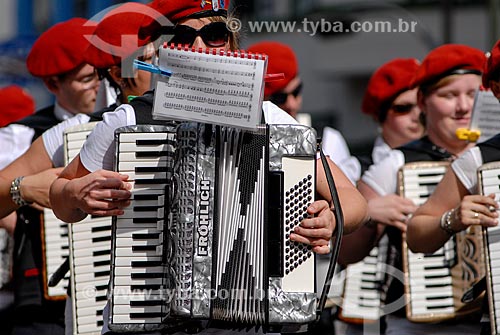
15,192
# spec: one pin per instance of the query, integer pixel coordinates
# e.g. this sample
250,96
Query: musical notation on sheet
485,120
220,88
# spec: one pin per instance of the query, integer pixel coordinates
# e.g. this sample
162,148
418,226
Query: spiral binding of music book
211,86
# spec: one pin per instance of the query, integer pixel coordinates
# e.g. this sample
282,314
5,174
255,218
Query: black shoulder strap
490,150
423,150
143,108
40,121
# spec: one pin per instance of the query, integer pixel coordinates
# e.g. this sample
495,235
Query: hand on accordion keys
101,193
391,210
474,210
316,230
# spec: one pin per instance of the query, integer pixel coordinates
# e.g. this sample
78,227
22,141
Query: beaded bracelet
445,222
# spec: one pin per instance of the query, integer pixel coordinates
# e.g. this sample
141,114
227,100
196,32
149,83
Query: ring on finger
476,214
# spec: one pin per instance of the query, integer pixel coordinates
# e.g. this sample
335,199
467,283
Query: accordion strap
59,274
339,231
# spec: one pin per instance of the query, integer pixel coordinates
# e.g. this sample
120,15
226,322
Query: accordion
363,295
207,234
435,283
488,182
89,247
54,232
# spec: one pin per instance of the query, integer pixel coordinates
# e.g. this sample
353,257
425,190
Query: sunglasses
401,109
281,97
214,34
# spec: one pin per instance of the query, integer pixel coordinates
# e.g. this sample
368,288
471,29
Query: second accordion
207,233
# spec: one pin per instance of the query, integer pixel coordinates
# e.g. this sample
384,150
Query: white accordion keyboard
89,253
139,289
55,252
429,286
55,234
489,182
363,297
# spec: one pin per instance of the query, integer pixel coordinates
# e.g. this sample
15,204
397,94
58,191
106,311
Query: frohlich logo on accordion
204,224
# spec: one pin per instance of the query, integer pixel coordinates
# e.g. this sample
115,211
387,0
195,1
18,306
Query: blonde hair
428,89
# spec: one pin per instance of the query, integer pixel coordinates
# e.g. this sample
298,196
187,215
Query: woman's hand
391,210
100,193
474,210
316,230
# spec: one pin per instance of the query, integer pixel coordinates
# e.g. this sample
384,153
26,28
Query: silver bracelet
445,222
15,192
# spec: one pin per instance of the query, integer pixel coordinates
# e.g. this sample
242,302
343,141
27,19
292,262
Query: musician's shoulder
145,99
275,115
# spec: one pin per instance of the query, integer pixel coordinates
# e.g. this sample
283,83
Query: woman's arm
36,165
389,210
424,228
352,202
318,230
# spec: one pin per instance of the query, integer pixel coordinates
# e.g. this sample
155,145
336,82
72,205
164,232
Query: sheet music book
224,88
485,120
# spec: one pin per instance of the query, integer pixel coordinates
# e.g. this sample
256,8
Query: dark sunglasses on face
401,109
214,34
280,97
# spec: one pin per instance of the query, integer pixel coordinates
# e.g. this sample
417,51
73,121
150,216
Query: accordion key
435,283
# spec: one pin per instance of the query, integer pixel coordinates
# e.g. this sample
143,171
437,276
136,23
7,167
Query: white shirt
53,138
465,168
15,139
335,146
98,151
380,149
382,176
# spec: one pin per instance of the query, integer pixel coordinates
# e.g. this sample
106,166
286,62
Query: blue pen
151,68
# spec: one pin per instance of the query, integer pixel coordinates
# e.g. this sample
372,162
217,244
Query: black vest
416,151
423,150
490,149
40,121
143,108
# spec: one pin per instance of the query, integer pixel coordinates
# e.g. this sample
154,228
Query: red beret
492,65
60,49
176,10
117,36
281,59
447,59
15,104
388,81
